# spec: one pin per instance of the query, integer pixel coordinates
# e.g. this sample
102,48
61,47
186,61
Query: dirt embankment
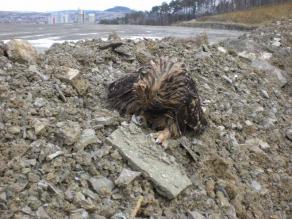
62,150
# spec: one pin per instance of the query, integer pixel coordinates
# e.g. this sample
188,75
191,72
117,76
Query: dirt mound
56,160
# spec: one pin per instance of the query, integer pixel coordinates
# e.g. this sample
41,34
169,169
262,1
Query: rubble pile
268,48
65,154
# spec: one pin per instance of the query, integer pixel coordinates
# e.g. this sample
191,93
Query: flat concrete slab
146,156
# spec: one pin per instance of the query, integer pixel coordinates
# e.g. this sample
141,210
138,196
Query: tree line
182,10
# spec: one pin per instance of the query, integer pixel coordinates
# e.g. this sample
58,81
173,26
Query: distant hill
120,9
42,17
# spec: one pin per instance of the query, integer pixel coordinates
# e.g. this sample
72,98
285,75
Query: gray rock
34,69
265,94
96,216
3,197
39,102
101,185
126,177
120,215
54,155
40,125
289,134
27,210
81,86
256,186
69,195
21,183
222,49
195,215
106,120
247,56
79,214
33,202
205,48
66,73
221,199
14,130
87,137
227,79
270,69
146,156
69,131
276,42
42,214
21,51
44,185
266,55
257,143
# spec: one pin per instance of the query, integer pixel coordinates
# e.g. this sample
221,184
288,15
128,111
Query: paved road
43,36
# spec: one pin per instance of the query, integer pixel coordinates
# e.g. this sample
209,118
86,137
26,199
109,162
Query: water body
43,36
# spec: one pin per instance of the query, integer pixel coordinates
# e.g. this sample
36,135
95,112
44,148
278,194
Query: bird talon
162,137
157,141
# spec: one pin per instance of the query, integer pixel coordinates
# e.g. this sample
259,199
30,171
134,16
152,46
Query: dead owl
164,95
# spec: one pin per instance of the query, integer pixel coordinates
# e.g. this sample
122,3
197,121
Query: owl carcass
164,95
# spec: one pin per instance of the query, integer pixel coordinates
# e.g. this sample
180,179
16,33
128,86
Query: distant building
91,18
65,18
59,18
54,18
81,17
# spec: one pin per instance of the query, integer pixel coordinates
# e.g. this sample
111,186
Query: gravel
56,160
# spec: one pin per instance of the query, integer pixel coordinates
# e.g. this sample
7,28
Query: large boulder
21,51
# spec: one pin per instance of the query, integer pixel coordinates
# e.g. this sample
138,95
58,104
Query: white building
65,18
91,18
81,17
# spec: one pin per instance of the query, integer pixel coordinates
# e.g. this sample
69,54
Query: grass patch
257,15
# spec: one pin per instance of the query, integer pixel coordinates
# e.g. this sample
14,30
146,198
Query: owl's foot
162,137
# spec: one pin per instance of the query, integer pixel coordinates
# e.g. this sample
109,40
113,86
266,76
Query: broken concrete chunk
256,186
79,214
21,51
222,49
34,69
54,155
14,130
101,185
81,86
149,158
126,177
266,66
276,42
87,137
69,131
289,134
195,215
248,56
256,142
44,185
105,120
265,94
221,199
39,102
40,125
42,214
66,73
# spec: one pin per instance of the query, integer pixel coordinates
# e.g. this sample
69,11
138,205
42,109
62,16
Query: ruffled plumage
163,93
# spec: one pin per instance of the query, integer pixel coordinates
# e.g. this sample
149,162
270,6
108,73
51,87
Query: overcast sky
54,5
